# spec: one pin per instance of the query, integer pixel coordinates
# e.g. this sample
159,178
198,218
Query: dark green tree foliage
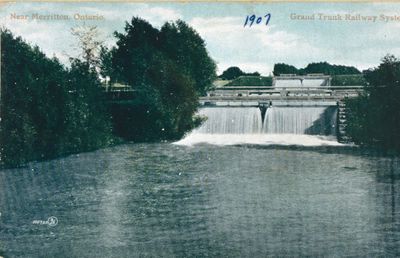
374,118
231,73
234,72
29,101
168,69
186,48
281,68
321,67
328,69
175,115
39,117
135,52
88,123
158,111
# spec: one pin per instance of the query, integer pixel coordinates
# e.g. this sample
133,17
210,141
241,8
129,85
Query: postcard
199,129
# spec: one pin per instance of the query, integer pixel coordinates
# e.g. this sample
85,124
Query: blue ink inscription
250,19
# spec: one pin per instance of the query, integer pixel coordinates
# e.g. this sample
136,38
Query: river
169,200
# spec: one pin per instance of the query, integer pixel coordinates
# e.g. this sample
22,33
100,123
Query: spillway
300,120
306,126
230,120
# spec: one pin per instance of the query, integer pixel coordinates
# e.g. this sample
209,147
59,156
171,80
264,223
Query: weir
276,120
225,120
300,120
294,105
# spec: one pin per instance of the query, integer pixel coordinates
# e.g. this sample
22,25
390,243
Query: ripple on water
173,200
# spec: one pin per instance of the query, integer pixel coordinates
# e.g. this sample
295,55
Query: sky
285,39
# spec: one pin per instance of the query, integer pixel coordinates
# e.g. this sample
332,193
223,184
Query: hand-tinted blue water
164,200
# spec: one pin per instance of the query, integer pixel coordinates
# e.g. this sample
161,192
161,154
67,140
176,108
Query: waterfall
300,120
278,120
230,120
306,126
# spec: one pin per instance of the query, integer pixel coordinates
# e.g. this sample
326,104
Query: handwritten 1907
250,19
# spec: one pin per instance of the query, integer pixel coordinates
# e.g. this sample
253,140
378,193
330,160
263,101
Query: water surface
167,200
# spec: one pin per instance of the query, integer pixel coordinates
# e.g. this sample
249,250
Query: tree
231,73
321,67
254,74
328,69
46,109
88,123
167,69
135,51
234,72
373,118
32,97
106,69
89,44
282,68
182,44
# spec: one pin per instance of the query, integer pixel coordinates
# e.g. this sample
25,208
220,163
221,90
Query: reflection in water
164,200
387,173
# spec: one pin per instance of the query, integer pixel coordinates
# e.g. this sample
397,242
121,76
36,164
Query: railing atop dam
259,95
253,94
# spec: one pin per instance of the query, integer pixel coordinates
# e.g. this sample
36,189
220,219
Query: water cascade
300,120
230,120
306,126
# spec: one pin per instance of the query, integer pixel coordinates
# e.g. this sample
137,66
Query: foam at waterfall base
259,139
